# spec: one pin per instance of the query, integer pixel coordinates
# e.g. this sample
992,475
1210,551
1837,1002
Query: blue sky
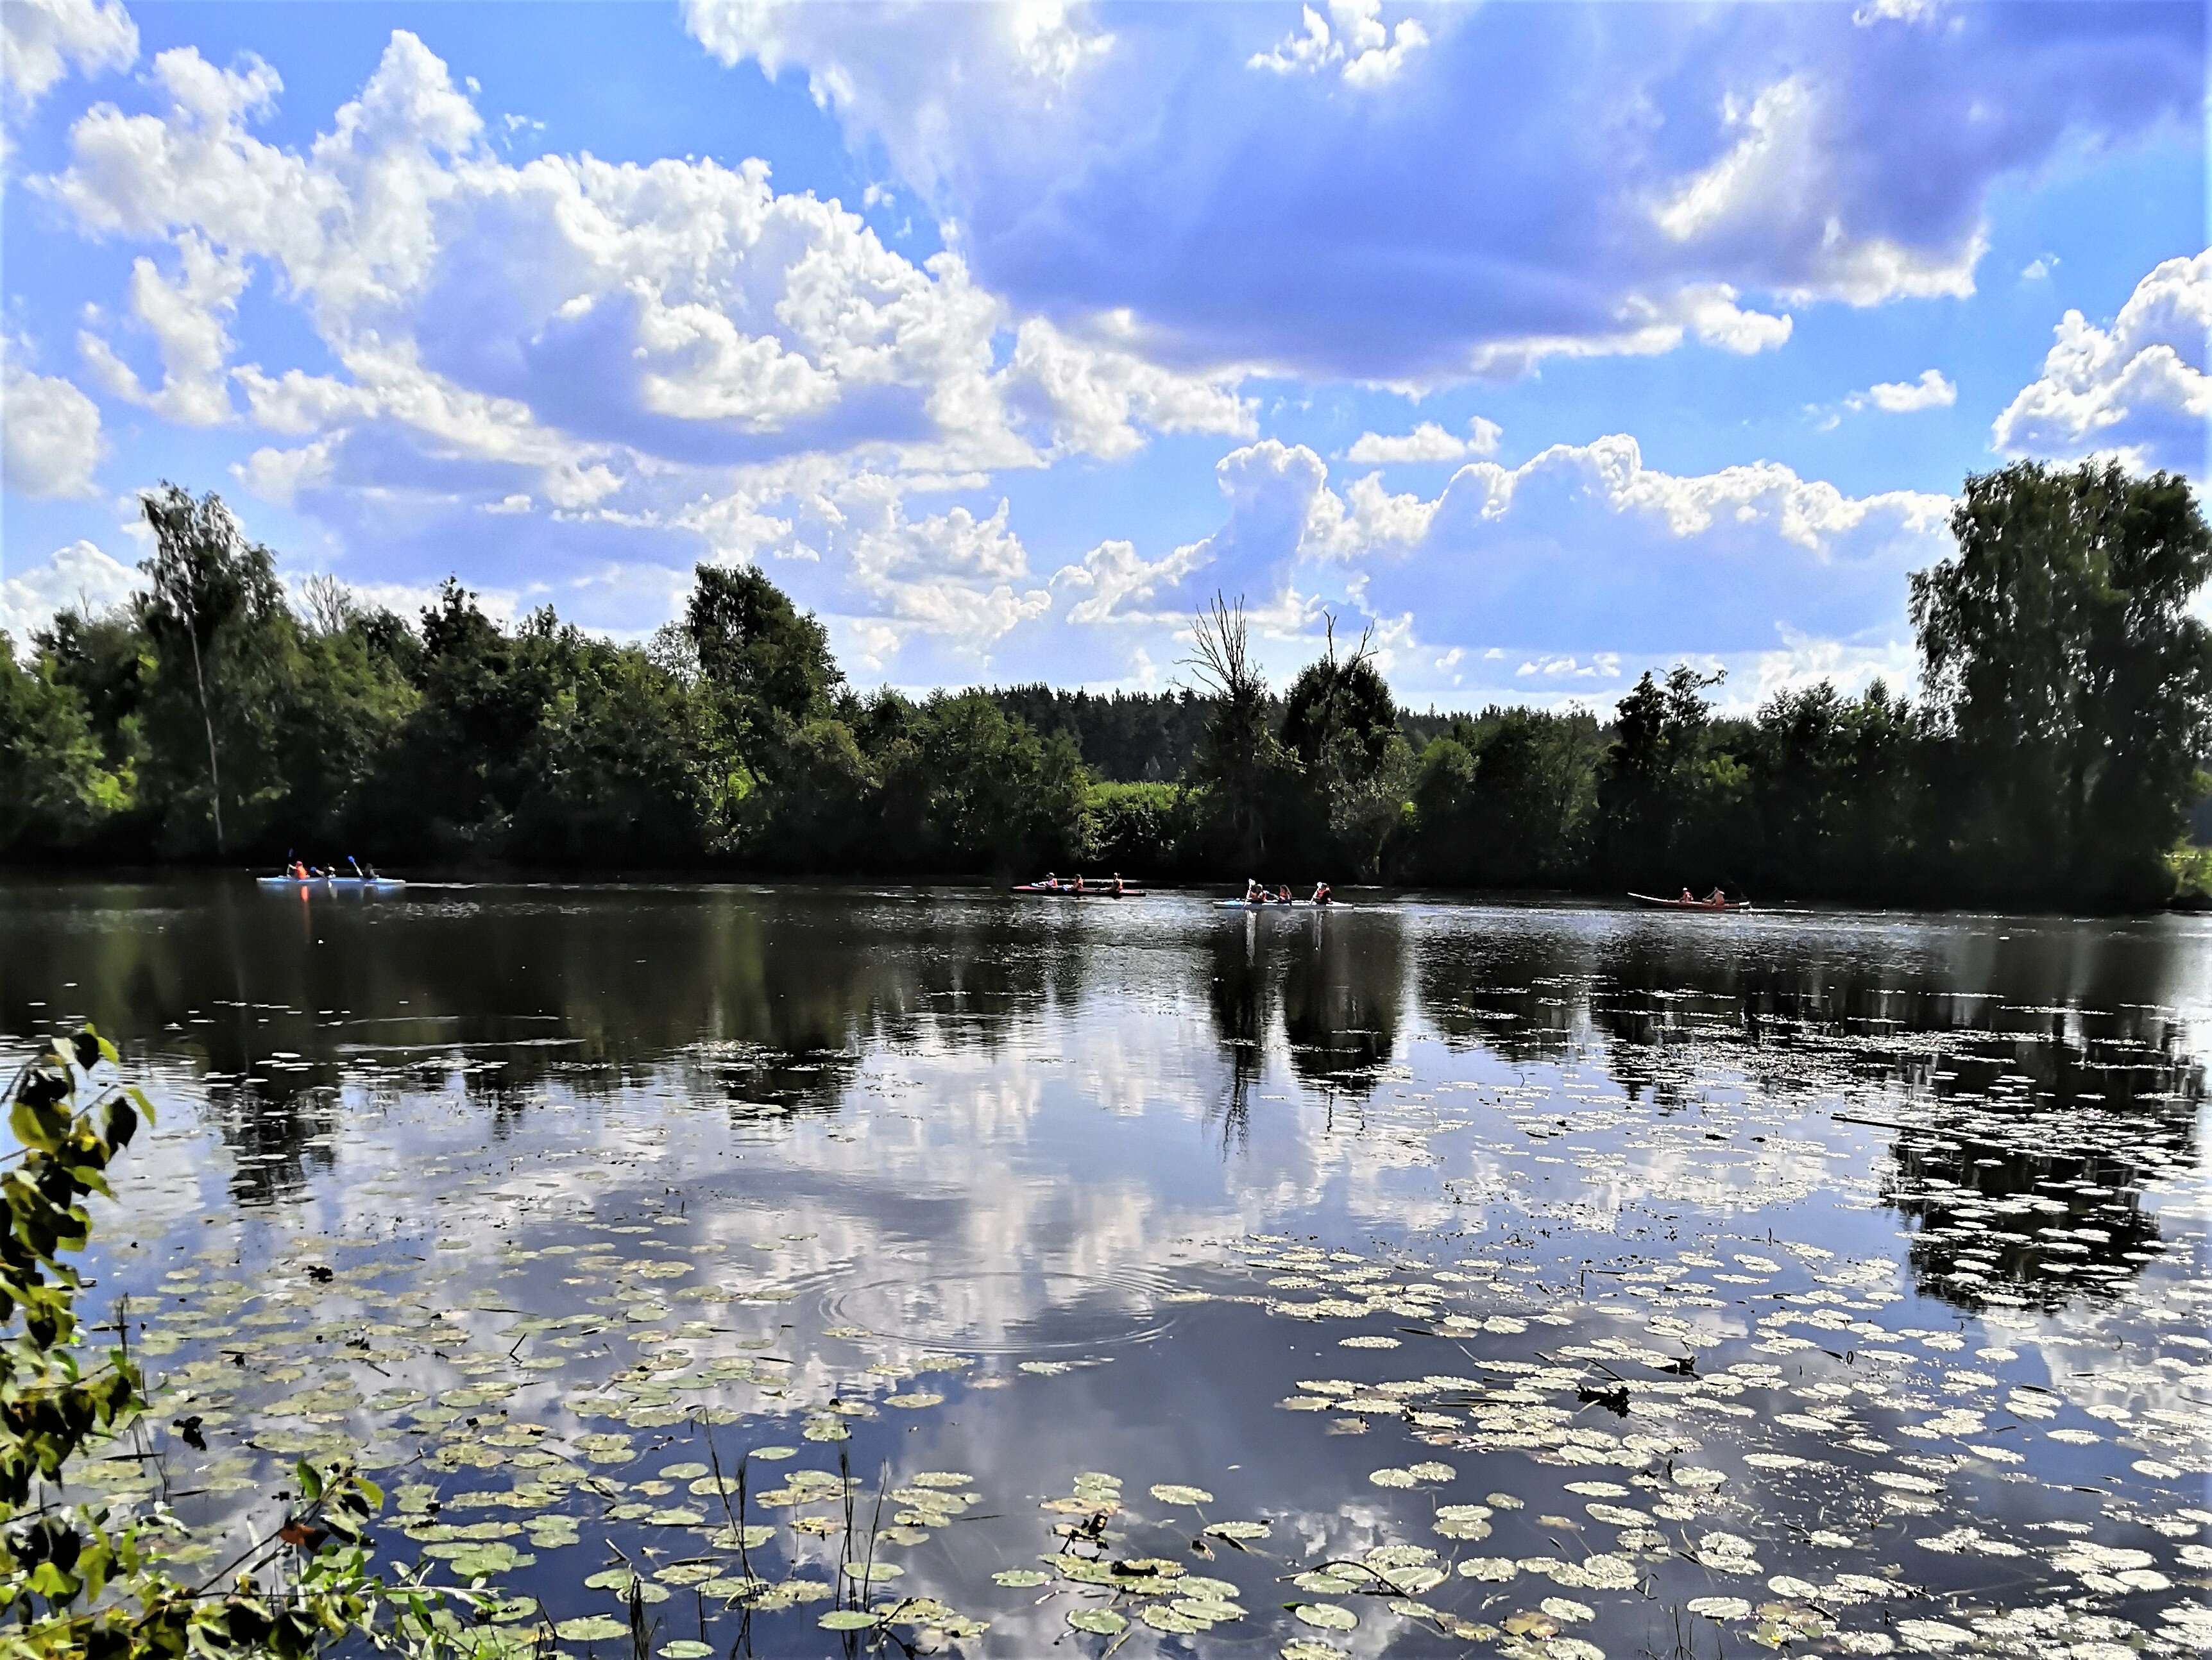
1546,341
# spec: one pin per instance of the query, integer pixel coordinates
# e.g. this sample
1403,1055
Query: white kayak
1272,904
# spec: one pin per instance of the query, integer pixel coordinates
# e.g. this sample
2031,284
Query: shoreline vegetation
2051,760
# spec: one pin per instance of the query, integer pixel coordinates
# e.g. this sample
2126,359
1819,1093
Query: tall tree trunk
207,721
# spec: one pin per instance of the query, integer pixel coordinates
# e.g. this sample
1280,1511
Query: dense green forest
2052,757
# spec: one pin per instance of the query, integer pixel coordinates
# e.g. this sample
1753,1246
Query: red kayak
1066,890
1688,904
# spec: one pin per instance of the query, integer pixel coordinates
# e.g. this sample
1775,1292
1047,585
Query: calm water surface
1019,1278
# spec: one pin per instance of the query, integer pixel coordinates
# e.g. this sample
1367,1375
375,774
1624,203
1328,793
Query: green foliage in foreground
79,1580
2052,757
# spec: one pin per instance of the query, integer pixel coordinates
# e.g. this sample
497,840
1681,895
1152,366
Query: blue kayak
377,883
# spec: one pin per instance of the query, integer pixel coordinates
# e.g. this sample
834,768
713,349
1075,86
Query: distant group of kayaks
1256,896
361,877
1259,896
307,878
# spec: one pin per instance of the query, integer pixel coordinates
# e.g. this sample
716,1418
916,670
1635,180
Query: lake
1021,1277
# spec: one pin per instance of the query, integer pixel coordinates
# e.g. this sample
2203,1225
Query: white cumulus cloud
52,432
1586,555
187,317
670,346
1426,442
1353,36
42,40
2140,388
78,575
1930,392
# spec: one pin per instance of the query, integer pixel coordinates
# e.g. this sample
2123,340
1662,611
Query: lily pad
592,1628
1169,1492
1100,1622
1238,1529
1326,1616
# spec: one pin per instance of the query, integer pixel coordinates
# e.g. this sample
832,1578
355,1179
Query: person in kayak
1687,898
1254,893
1717,899
1117,884
1078,882
299,872
1320,893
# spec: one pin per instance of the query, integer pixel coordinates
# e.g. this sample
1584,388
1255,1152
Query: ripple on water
1011,1310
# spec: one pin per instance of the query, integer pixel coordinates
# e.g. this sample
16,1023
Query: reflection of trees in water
766,1002
2055,1102
277,1133
1343,996
1239,996
1336,982
2026,1184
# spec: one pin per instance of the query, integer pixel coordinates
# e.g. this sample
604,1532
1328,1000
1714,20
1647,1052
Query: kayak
1272,904
378,883
1038,891
1688,904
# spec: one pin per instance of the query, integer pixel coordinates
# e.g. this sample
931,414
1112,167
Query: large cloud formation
2139,389
1581,546
669,349
1414,197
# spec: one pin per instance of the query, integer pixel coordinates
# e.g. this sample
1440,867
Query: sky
1541,344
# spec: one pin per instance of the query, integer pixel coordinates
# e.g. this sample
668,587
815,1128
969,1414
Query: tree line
2052,756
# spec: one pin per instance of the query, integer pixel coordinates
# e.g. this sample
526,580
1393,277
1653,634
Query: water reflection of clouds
1020,1142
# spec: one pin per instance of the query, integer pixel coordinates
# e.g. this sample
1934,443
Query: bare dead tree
1221,656
329,603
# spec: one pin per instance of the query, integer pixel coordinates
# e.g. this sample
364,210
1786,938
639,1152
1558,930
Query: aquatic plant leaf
1326,1616
1163,1617
847,1619
592,1628
1719,1607
1169,1492
1099,1622
1238,1529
